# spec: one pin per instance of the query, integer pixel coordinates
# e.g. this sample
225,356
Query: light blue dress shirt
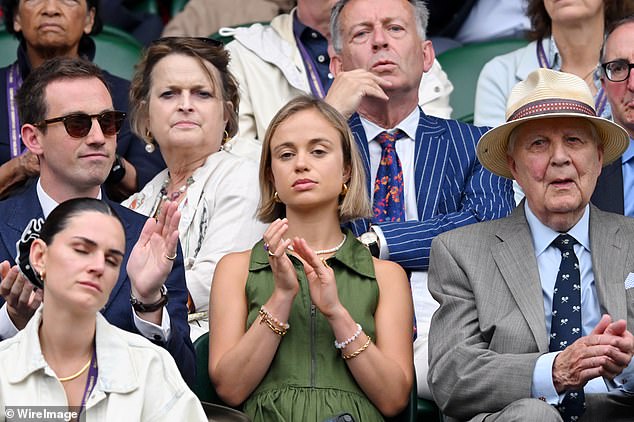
548,260
627,161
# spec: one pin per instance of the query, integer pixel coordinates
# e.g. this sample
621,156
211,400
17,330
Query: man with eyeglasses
70,125
615,187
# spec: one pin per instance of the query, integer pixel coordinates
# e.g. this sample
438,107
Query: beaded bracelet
273,327
358,351
273,323
267,314
349,340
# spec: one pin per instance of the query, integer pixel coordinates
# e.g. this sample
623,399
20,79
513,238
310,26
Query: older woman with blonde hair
332,325
184,98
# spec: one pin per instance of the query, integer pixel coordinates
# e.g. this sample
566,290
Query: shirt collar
302,31
116,370
28,356
409,125
629,152
543,235
553,55
47,203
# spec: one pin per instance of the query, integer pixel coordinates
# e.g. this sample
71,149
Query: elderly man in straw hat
536,309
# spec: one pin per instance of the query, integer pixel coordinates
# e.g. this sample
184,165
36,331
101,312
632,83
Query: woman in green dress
308,325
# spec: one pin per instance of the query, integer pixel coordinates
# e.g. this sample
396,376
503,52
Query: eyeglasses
617,70
78,125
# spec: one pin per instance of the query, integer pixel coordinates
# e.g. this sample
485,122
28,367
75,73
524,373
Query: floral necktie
388,187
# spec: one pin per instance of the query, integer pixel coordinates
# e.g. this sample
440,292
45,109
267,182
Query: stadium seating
463,66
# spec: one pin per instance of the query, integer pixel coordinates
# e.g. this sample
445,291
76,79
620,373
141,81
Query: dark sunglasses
78,125
617,70
167,40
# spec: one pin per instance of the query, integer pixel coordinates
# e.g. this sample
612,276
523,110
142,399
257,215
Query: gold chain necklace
76,374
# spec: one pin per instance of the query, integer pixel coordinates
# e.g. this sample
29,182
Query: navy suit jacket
608,194
452,188
19,209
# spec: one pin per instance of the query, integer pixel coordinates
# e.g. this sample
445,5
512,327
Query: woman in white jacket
69,359
184,98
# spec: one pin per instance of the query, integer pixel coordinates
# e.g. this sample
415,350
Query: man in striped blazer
380,55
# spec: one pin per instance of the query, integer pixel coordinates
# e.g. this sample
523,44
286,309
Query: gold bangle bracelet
358,351
266,314
277,330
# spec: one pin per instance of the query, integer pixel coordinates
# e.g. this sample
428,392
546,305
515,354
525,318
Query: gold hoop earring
276,198
227,138
43,275
344,190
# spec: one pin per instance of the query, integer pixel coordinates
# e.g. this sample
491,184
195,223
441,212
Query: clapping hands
153,254
321,278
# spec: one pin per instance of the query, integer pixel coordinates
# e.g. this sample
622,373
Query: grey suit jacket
490,328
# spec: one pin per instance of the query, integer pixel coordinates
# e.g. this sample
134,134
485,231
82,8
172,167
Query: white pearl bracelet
349,340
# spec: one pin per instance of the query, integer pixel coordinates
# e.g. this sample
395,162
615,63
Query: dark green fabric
308,380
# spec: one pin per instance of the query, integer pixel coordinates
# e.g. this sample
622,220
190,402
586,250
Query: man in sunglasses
615,187
71,126
48,29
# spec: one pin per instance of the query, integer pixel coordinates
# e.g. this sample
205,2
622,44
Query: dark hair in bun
46,230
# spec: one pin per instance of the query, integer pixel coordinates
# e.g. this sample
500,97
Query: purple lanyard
91,381
14,80
314,80
599,100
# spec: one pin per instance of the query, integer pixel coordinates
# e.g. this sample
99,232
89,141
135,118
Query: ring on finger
270,252
266,247
171,258
323,261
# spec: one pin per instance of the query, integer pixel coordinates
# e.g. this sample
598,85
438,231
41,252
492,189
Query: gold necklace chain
76,374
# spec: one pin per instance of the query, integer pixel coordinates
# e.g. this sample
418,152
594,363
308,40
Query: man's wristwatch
149,307
117,172
371,241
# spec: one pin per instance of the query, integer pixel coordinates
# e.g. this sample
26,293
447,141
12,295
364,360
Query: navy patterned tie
565,325
388,200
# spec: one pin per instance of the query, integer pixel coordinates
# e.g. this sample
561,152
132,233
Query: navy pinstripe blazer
452,188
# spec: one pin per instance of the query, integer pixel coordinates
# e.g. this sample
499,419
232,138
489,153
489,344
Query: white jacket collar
117,374
276,45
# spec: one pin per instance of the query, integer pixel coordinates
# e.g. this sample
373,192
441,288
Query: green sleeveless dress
308,380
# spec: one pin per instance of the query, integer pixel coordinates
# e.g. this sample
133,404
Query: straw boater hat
547,94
